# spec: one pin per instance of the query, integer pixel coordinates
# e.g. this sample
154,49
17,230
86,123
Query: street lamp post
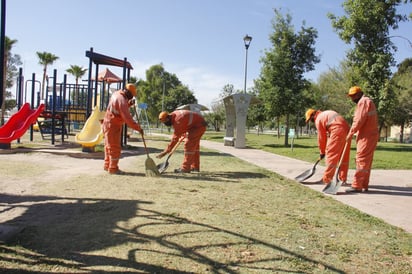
247,39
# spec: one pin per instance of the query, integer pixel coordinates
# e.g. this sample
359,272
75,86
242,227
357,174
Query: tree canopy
281,81
402,80
45,59
162,91
367,26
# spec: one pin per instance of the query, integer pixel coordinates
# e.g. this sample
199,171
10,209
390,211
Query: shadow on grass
283,146
81,234
127,151
229,176
394,148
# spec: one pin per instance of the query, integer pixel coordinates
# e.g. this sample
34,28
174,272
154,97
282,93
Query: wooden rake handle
144,141
340,160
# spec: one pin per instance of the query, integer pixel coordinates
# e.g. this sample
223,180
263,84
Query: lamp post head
247,39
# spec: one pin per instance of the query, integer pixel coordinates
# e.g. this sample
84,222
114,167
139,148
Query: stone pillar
236,106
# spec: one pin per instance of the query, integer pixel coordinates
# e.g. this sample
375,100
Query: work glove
321,156
131,102
161,154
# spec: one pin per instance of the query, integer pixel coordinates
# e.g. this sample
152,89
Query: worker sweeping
117,114
332,131
365,126
193,125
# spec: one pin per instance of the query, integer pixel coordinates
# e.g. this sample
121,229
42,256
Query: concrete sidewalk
390,191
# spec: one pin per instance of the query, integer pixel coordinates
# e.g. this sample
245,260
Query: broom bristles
151,168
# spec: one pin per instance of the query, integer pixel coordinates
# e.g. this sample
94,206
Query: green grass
387,155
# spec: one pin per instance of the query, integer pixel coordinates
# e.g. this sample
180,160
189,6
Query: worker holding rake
365,126
117,114
332,131
191,124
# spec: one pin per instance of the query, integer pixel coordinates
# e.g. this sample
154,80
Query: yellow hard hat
309,114
132,89
354,90
163,116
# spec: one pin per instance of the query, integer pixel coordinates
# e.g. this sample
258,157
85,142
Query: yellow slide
91,133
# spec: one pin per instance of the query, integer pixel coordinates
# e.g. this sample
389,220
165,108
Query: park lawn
388,155
233,217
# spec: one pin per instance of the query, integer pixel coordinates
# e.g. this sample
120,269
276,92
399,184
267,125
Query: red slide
19,122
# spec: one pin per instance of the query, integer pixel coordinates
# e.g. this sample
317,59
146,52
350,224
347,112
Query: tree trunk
43,83
278,125
401,133
287,131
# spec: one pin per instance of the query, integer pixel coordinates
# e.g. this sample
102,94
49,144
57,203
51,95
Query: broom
150,165
151,168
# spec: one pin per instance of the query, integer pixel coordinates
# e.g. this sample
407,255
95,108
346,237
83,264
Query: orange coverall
332,131
365,126
192,123
116,115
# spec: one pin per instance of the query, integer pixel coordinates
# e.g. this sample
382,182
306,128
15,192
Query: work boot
117,172
179,170
322,182
195,170
353,190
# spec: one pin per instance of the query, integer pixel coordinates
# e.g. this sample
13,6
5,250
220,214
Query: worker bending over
332,131
185,123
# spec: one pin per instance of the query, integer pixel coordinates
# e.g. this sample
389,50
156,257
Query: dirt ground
29,171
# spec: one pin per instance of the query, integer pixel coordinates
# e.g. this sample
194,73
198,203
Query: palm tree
45,59
77,72
8,44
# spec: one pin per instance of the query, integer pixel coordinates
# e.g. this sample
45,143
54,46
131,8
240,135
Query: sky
199,41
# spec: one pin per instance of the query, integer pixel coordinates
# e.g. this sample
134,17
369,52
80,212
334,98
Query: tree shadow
218,176
70,233
399,148
390,190
294,145
127,151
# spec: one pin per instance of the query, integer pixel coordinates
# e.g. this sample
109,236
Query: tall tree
162,91
332,86
281,81
367,26
45,59
78,72
402,114
8,44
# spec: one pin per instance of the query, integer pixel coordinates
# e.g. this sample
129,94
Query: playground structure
18,124
67,107
91,133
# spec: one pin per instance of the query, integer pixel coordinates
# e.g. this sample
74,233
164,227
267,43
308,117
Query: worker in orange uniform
117,114
185,123
332,131
365,126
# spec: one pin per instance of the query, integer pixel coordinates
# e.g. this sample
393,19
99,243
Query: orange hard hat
132,89
354,90
309,114
163,116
